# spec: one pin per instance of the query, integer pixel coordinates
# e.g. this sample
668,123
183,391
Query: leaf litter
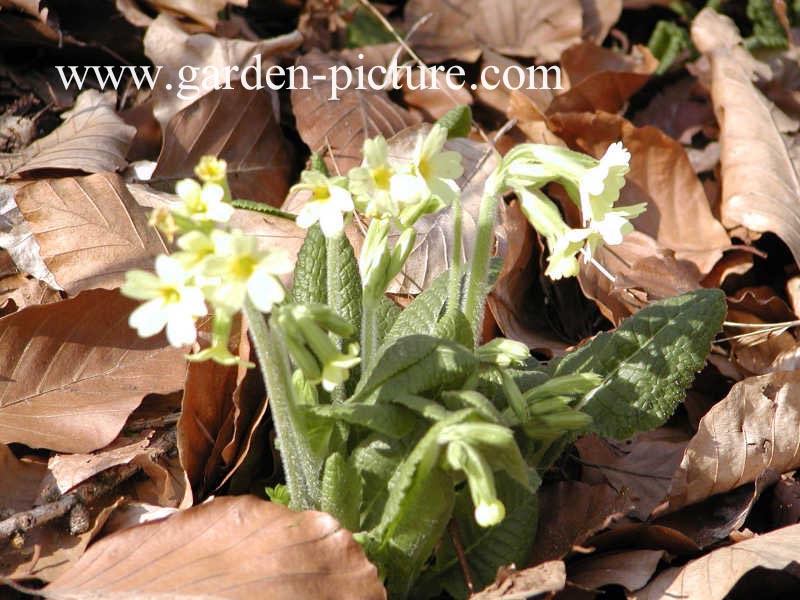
690,508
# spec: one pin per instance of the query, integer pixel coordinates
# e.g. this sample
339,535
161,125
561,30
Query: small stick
462,558
85,493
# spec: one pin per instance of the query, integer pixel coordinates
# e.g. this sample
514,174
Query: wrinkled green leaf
392,420
310,279
341,491
415,364
647,363
457,121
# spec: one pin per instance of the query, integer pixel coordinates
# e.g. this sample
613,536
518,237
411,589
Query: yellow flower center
170,294
424,168
195,204
242,267
381,175
322,193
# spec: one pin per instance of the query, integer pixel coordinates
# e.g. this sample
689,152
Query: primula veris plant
398,423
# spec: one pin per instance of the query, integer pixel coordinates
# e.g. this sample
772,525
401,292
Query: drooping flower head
171,301
328,204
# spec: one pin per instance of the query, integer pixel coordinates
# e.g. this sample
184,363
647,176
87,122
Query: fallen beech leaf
92,138
601,79
632,569
206,406
90,230
785,505
231,547
496,94
17,239
599,16
73,371
68,470
644,271
203,11
519,585
131,514
238,125
570,512
167,45
718,517
755,427
18,291
20,480
760,181
337,129
678,215
640,468
711,577
530,28
680,111
166,483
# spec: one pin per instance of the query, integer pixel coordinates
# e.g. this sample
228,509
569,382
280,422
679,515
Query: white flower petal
264,290
331,222
221,212
180,329
193,302
149,318
340,198
188,189
170,270
308,215
408,189
212,193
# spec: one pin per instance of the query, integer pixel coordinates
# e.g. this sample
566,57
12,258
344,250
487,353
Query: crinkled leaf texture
647,363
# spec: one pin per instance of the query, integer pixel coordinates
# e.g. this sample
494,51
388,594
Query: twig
85,493
462,558
154,423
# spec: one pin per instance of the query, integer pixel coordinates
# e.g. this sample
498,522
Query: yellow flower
328,204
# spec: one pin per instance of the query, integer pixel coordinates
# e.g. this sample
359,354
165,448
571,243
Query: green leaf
457,121
310,278
388,313
344,288
376,458
423,314
486,549
647,363
391,420
666,42
455,326
341,491
414,364
767,29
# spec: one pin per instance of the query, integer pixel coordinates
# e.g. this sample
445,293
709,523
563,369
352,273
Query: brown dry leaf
760,182
17,239
166,483
337,129
92,138
238,125
599,16
631,569
90,230
459,30
641,468
204,12
754,428
20,480
508,301
206,406
498,96
570,512
232,547
434,100
644,271
601,79
73,371
785,505
65,471
711,577
511,584
678,215
131,514
18,291
680,110
718,517
167,45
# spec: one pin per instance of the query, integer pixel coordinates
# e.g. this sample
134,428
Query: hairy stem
369,331
454,289
481,256
333,274
299,466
